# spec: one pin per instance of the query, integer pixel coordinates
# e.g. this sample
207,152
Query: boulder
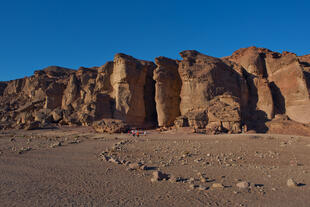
224,115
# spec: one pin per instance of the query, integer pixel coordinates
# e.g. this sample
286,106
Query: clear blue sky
71,33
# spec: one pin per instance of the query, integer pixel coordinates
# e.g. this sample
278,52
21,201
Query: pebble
177,179
75,141
192,186
114,160
133,166
191,180
217,185
291,183
173,179
242,185
198,160
203,180
56,144
24,149
202,188
158,176
105,158
143,167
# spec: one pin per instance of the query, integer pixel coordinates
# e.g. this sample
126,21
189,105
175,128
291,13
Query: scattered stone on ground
291,183
242,185
159,176
217,185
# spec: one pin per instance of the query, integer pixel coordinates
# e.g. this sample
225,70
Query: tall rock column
129,81
260,105
167,93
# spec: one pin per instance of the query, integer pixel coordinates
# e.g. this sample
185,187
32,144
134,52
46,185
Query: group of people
137,133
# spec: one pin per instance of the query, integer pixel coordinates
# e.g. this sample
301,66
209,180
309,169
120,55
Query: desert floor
73,166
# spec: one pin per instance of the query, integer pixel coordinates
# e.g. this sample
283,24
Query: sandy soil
77,167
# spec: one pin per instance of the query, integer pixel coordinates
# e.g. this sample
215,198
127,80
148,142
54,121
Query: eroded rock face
285,71
168,88
282,75
123,89
250,89
203,78
128,80
209,87
260,104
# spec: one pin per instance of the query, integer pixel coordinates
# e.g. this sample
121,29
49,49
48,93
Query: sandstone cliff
248,90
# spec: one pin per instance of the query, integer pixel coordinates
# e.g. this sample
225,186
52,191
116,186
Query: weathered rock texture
123,89
280,76
167,93
248,90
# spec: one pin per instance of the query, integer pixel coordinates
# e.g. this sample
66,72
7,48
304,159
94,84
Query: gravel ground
73,166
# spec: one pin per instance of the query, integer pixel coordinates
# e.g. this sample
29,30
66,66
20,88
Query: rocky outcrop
203,78
280,76
260,104
285,71
248,90
123,89
168,88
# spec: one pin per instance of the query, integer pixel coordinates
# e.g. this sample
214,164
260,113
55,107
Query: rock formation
129,79
250,89
167,93
279,74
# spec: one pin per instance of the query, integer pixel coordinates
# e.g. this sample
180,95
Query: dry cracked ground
77,167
